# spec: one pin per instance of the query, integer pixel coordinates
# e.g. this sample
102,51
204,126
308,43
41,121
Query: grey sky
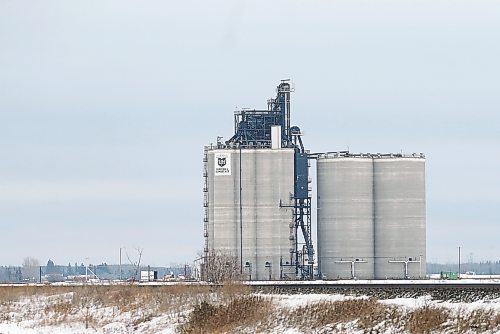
105,107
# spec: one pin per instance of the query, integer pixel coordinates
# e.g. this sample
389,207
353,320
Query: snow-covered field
165,310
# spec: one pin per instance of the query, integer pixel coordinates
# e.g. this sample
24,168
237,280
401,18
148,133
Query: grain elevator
257,204
256,194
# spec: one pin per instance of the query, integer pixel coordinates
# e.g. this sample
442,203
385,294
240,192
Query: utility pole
120,263
459,251
86,270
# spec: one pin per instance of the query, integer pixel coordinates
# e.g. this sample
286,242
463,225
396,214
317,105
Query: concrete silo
345,216
399,215
250,224
371,215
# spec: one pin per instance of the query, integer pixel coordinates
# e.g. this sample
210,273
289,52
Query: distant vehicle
450,275
54,277
151,275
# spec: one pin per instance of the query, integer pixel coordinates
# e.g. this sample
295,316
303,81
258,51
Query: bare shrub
219,267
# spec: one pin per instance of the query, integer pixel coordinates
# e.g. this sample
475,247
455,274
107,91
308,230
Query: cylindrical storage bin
246,222
345,217
399,196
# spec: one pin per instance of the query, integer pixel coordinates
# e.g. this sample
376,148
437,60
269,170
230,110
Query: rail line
493,284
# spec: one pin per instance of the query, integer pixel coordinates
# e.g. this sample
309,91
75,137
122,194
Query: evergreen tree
69,270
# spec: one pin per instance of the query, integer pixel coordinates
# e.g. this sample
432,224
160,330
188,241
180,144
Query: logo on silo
222,164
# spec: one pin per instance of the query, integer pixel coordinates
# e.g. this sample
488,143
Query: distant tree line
31,269
479,268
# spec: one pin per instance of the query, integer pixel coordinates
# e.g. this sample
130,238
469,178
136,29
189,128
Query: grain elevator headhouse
256,195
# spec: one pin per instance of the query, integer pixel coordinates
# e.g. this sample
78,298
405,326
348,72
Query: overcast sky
105,107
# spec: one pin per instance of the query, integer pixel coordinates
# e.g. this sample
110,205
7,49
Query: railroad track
463,291
449,291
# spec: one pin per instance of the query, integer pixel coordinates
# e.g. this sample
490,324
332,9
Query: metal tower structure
303,254
253,129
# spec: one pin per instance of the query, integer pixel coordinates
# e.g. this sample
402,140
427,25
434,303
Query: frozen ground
62,313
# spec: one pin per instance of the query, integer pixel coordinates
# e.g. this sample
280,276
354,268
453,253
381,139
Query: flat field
231,309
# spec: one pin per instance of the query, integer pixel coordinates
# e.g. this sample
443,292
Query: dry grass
367,313
78,304
231,308
426,319
371,316
477,321
13,293
245,310
233,288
